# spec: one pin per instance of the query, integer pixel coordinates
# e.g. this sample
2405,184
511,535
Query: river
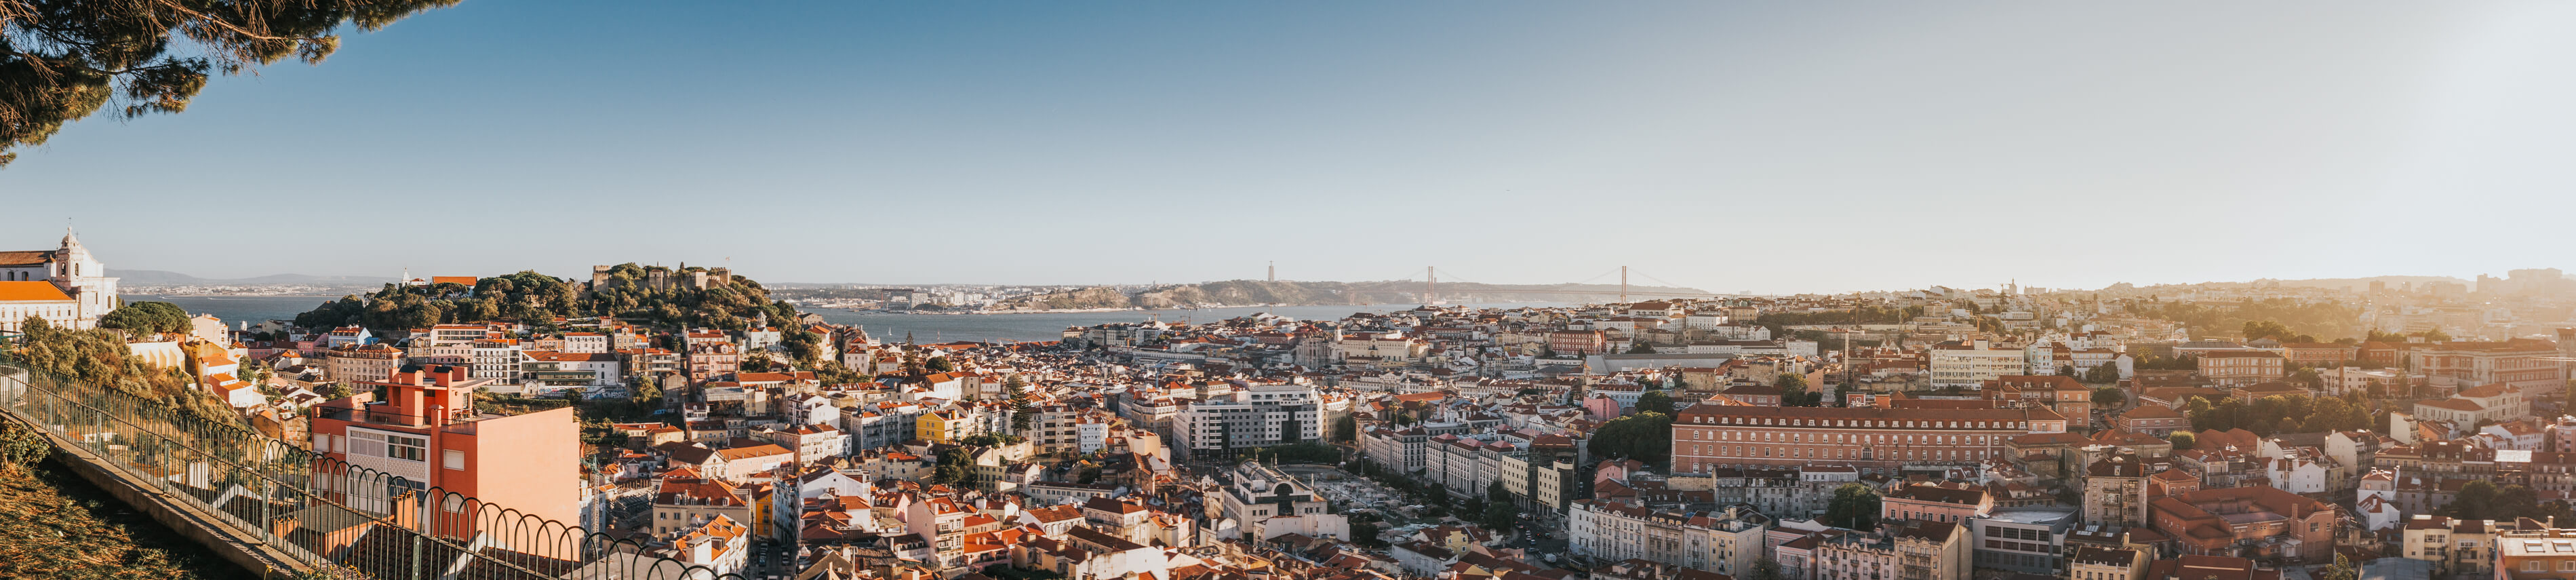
887,327
1046,326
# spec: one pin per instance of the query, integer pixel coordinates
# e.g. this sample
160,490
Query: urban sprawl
2212,431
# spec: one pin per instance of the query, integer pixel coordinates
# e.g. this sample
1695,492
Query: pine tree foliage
63,60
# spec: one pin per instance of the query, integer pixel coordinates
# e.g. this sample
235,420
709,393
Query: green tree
2475,501
1024,413
21,447
1346,428
2342,569
956,467
67,60
1641,347
2182,440
1853,506
143,319
1365,534
1793,390
1498,517
939,364
2103,373
2111,397
1655,402
1765,569
1644,437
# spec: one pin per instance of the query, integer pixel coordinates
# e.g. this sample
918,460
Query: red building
2318,354
1578,342
2253,521
2519,362
423,432
2157,420
2236,368
1709,437
2061,394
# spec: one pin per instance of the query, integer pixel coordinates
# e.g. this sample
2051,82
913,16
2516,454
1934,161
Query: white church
65,286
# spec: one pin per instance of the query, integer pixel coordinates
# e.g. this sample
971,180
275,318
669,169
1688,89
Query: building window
455,459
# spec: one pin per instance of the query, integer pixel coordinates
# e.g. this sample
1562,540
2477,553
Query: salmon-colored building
425,430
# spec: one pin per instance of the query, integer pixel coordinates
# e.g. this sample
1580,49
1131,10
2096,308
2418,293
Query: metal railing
327,513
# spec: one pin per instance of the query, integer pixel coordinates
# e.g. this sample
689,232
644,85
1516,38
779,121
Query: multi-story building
2471,407
1708,437
64,286
2254,521
496,359
2157,420
571,368
2454,546
812,443
687,500
1378,346
353,363
2066,396
1578,342
1611,531
1255,493
2318,354
2115,491
1967,364
1254,417
2524,363
1727,541
875,425
1929,551
426,434
2238,368
2537,554
2027,541
455,334
585,343
2101,563
709,359
21,300
1935,503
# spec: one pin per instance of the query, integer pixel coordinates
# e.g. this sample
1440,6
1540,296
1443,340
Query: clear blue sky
1775,147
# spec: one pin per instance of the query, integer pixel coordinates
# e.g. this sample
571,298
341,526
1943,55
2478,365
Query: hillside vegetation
732,304
55,525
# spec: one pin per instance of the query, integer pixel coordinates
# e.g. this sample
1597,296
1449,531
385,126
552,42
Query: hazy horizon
778,282
1776,148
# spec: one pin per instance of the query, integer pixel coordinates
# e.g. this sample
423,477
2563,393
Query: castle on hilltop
660,278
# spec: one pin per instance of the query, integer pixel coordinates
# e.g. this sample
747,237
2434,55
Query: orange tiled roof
31,291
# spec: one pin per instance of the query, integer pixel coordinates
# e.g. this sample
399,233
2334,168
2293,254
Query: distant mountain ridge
169,278
1312,293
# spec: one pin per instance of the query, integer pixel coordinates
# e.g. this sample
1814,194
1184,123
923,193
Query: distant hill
1259,292
168,278
2334,283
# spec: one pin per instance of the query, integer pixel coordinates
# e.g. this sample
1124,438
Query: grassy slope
53,524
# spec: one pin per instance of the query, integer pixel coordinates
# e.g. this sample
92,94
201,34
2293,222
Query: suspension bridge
1431,277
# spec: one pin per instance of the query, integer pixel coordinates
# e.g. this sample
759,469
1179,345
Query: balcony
460,421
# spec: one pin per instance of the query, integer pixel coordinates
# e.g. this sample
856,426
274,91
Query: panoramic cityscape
443,290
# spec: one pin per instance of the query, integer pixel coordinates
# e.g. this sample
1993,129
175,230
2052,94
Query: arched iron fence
329,513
